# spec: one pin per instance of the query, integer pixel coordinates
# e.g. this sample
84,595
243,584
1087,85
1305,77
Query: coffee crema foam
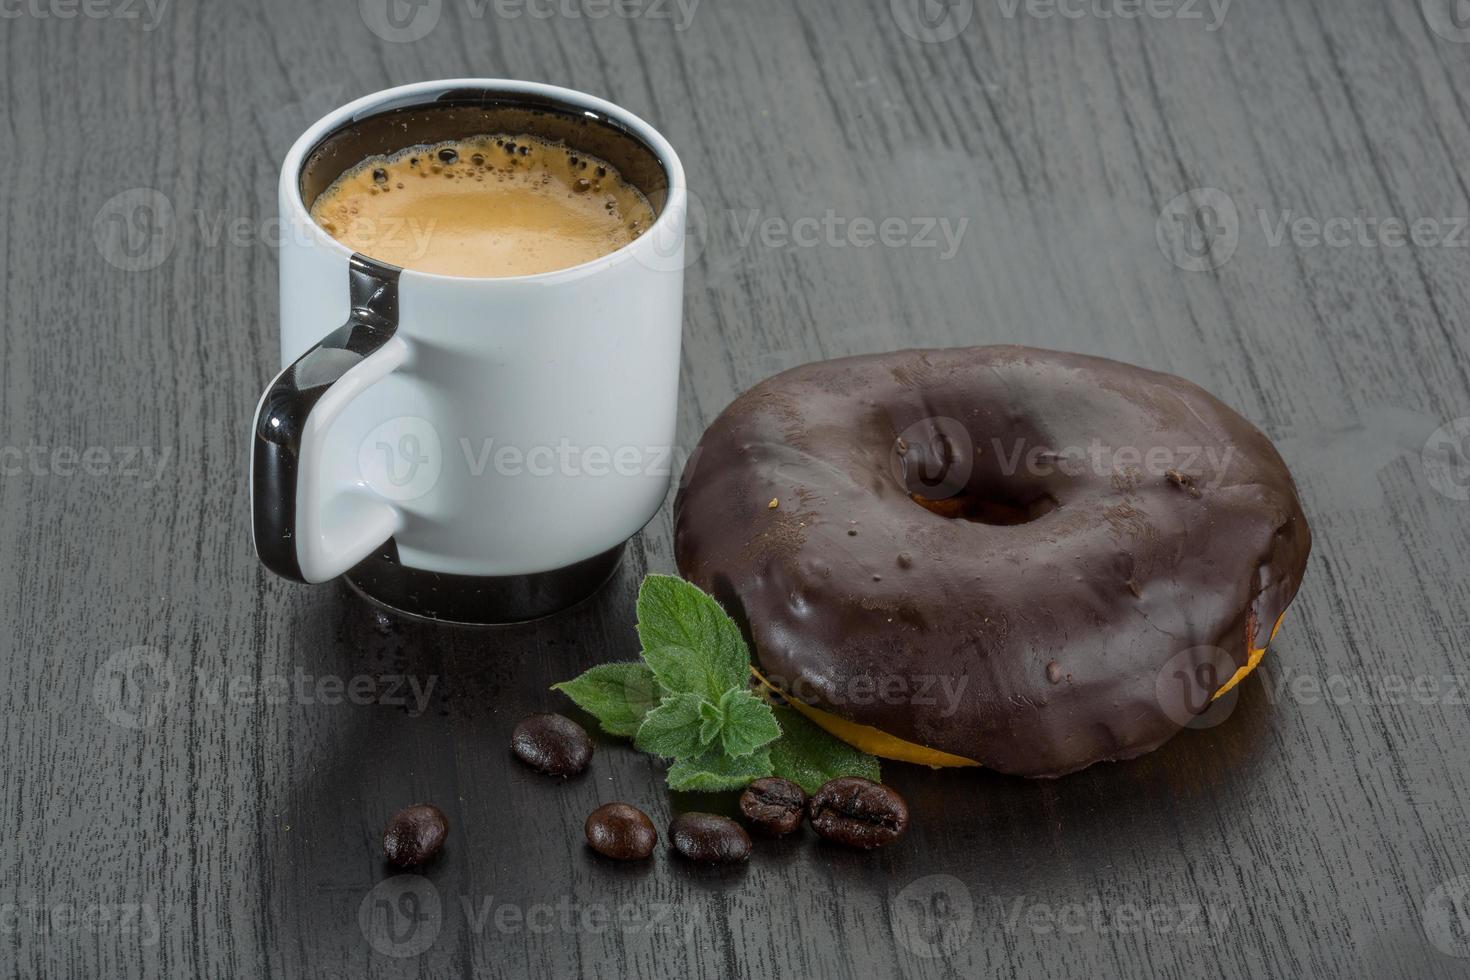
484,206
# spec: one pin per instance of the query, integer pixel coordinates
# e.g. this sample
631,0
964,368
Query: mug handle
289,500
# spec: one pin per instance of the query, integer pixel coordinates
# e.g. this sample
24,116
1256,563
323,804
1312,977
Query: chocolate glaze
999,552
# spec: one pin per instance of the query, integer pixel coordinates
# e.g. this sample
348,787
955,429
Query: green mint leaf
672,729
688,640
617,695
808,756
680,670
748,723
711,720
715,771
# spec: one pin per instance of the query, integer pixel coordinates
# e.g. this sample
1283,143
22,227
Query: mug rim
421,93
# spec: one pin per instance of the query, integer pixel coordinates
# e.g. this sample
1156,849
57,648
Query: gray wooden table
198,757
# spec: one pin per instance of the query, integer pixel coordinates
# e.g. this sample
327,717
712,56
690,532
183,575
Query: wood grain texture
1309,831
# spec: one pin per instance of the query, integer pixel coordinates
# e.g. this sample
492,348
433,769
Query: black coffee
858,812
415,835
708,838
773,805
621,832
552,744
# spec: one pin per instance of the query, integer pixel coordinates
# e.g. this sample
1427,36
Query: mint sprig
688,640
713,771
689,700
674,729
617,695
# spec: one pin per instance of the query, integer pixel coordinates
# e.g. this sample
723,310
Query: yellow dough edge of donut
1253,661
885,746
869,739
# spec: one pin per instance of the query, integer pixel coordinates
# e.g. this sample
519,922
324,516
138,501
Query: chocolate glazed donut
1006,554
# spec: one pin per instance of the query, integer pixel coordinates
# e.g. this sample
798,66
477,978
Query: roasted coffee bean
707,837
414,835
858,812
773,805
620,831
553,744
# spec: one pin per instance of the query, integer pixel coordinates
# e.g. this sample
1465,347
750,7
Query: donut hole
988,509
937,463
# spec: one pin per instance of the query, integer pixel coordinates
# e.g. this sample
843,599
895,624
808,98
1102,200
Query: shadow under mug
473,450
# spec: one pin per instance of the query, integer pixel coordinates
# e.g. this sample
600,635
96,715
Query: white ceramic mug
469,449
